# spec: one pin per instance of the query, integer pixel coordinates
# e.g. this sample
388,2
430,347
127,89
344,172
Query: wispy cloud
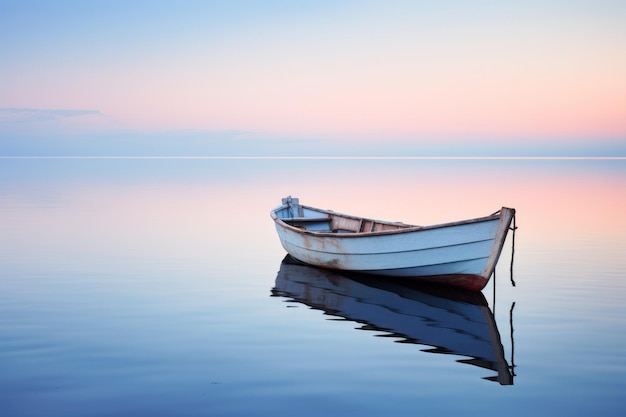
20,121
12,114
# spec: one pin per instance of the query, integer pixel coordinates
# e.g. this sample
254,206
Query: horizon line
182,157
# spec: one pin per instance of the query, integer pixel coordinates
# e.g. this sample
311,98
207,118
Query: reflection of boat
462,253
460,325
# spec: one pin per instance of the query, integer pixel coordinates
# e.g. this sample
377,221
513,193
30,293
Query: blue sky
361,77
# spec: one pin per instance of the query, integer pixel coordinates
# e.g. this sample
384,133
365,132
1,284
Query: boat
460,253
445,320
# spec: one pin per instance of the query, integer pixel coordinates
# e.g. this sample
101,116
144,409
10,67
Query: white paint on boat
328,239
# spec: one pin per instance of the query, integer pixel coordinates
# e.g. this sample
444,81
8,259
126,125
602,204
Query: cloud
12,114
16,122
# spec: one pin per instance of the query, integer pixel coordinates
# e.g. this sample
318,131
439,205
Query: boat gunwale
405,228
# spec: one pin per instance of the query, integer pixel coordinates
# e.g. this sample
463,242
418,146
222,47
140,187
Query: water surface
153,287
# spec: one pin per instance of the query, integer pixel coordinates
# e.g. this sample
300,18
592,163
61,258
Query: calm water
157,288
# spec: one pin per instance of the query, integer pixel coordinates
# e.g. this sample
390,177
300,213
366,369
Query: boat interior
338,223
327,221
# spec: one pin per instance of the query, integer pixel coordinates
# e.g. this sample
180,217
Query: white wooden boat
449,321
461,253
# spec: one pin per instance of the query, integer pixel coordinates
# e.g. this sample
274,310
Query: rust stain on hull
464,281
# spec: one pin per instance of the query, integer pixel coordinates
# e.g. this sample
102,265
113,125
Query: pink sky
349,70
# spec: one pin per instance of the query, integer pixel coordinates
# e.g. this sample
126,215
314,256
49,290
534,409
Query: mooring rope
512,366
513,248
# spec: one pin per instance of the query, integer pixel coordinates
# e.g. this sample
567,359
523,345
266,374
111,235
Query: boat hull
462,254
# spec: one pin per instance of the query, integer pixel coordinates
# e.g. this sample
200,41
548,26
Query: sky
322,77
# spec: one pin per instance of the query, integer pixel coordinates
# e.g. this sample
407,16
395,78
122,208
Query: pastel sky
409,72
